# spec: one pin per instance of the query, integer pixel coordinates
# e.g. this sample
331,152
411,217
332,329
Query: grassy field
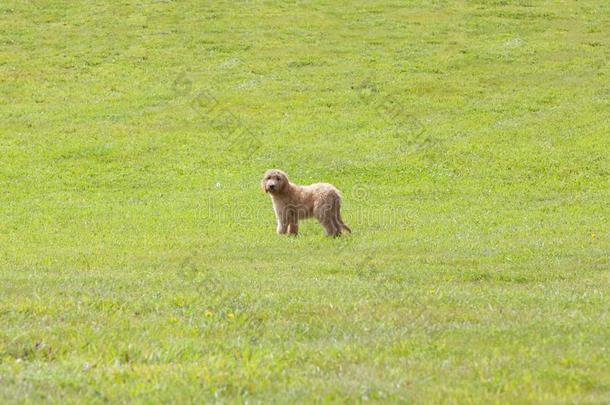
138,254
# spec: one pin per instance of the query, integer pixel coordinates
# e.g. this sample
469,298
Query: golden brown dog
292,202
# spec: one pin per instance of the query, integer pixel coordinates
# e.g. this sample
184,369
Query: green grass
138,255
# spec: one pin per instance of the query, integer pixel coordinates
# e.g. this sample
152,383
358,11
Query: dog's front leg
280,216
293,228
282,228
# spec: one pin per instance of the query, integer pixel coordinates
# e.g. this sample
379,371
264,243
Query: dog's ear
263,184
283,176
283,181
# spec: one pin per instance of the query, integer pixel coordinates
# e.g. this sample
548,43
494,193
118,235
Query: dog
292,203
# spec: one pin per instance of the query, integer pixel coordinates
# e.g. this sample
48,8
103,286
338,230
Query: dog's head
274,181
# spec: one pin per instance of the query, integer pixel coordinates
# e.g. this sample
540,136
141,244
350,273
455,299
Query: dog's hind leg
342,224
326,215
336,214
336,224
330,227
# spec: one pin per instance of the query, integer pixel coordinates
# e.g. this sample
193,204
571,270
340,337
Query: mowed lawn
138,254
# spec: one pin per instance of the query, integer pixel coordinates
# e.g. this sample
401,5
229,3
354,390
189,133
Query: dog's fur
292,202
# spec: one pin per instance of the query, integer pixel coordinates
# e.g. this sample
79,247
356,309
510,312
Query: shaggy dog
292,202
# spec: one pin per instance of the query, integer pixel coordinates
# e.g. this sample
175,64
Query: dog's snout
270,186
